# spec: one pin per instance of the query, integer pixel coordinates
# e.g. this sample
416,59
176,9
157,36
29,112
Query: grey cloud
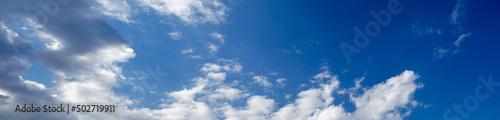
10,82
79,30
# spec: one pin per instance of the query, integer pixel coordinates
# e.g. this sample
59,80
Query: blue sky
252,59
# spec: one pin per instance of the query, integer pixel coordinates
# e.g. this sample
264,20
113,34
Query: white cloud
325,75
386,100
357,83
309,102
97,79
118,9
183,111
86,69
187,95
211,47
258,108
288,96
281,82
262,81
218,36
190,11
185,106
228,94
233,68
186,51
210,67
226,65
218,76
175,35
33,85
230,65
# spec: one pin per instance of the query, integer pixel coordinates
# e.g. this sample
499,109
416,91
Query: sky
252,59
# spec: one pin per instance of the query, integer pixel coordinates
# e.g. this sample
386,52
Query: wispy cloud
186,51
118,9
175,35
458,11
190,11
455,19
218,36
211,47
440,52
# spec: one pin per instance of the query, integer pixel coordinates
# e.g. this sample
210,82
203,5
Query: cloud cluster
456,17
84,52
210,99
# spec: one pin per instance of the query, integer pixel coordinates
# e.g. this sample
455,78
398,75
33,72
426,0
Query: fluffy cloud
309,101
228,94
262,81
387,100
258,108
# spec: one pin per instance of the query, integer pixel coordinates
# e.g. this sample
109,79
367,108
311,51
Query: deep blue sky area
196,48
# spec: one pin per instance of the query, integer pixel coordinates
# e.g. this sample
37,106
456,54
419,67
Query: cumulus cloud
258,108
388,100
309,101
190,11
